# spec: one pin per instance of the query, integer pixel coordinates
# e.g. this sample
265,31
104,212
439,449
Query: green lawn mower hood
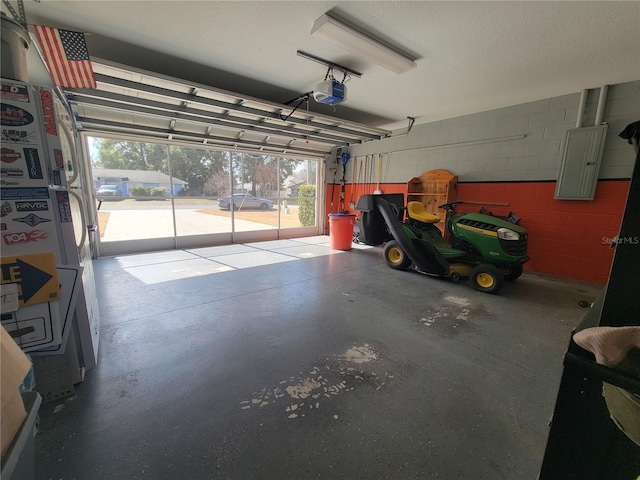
497,240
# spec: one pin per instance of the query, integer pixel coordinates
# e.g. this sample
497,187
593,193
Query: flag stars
74,45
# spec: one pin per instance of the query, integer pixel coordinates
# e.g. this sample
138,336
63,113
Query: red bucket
341,230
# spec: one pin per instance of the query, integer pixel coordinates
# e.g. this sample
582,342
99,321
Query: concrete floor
313,364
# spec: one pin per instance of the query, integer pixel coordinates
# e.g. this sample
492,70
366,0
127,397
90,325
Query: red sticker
8,155
24,237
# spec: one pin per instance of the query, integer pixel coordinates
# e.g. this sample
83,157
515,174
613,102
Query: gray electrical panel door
581,163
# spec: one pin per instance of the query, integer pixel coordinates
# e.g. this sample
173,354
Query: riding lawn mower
482,248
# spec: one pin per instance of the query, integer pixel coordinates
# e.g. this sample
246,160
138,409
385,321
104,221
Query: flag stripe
74,72
45,42
86,68
53,57
87,74
56,52
66,56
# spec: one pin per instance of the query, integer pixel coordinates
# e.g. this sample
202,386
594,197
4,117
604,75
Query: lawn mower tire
486,278
514,273
455,277
395,257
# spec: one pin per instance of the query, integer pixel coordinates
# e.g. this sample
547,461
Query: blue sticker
23,193
13,116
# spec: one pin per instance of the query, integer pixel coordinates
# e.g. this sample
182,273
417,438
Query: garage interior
284,358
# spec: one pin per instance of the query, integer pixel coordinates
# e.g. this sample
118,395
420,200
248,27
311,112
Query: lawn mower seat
416,211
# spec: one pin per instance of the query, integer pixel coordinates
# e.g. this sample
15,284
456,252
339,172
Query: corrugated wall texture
513,155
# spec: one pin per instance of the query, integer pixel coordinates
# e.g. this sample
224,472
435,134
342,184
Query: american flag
67,57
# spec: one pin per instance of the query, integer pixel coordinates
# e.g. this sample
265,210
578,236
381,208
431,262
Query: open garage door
153,196
133,102
165,153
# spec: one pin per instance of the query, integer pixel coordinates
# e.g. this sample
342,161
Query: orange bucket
341,230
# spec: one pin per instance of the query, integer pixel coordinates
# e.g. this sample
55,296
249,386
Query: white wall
535,157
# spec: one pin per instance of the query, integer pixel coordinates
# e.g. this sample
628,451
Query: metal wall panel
581,158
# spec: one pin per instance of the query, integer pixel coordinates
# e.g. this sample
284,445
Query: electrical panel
580,165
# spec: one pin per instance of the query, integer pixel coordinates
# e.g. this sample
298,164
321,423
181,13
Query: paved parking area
142,223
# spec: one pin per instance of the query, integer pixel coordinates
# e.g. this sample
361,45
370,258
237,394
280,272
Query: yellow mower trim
460,268
481,231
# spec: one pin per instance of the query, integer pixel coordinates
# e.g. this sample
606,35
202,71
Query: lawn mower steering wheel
450,207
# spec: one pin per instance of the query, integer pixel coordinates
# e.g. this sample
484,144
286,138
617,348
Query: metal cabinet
580,165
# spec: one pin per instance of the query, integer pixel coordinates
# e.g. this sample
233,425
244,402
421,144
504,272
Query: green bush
157,192
140,192
307,205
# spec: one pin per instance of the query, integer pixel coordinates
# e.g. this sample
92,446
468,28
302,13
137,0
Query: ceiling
471,56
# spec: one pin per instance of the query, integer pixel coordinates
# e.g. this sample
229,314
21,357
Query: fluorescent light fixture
333,30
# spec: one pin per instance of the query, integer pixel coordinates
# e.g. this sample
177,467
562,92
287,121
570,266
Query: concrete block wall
517,143
570,238
567,237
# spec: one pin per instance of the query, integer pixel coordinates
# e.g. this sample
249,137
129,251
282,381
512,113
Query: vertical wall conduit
601,102
583,103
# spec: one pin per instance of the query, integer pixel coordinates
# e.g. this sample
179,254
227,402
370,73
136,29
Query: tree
264,176
127,155
196,166
206,171
217,184
306,172
261,172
